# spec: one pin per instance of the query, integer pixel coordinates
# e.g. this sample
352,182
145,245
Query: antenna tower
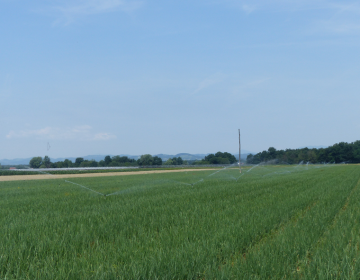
239,152
48,146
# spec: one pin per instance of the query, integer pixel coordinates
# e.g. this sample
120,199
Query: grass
272,222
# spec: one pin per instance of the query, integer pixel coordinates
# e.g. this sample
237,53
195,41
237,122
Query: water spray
226,167
253,167
239,177
85,187
179,182
197,182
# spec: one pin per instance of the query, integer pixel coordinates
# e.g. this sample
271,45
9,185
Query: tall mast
239,152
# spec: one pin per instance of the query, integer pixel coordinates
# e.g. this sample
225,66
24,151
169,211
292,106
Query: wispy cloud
334,16
209,81
103,136
248,8
246,88
75,133
68,11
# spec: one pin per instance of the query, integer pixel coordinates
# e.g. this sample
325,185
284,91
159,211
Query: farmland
298,222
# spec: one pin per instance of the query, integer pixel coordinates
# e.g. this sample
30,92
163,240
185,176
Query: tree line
218,158
144,160
108,161
337,153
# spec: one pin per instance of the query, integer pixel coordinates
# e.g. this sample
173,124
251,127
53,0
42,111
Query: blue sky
135,77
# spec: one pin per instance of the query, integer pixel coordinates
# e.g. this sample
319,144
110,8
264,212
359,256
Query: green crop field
297,222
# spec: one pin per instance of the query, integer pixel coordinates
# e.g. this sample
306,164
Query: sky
133,77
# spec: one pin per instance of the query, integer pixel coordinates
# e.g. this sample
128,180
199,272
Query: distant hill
15,161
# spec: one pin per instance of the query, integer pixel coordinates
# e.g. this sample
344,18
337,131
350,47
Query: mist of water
253,167
123,191
226,167
84,187
179,182
261,171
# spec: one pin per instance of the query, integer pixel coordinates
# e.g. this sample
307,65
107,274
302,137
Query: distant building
12,168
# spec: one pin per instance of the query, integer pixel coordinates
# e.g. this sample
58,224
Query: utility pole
239,152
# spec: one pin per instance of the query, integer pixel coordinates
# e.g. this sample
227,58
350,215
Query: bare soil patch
63,176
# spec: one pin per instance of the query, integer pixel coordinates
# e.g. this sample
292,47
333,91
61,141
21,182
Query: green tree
219,158
157,161
35,162
78,161
107,160
67,163
89,163
312,156
179,161
85,163
93,163
46,162
121,161
174,161
272,153
250,158
145,160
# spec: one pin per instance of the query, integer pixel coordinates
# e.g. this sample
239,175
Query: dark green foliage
78,161
46,162
68,163
89,163
157,161
148,160
218,158
174,161
35,162
122,161
178,160
338,153
62,164
107,160
145,160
